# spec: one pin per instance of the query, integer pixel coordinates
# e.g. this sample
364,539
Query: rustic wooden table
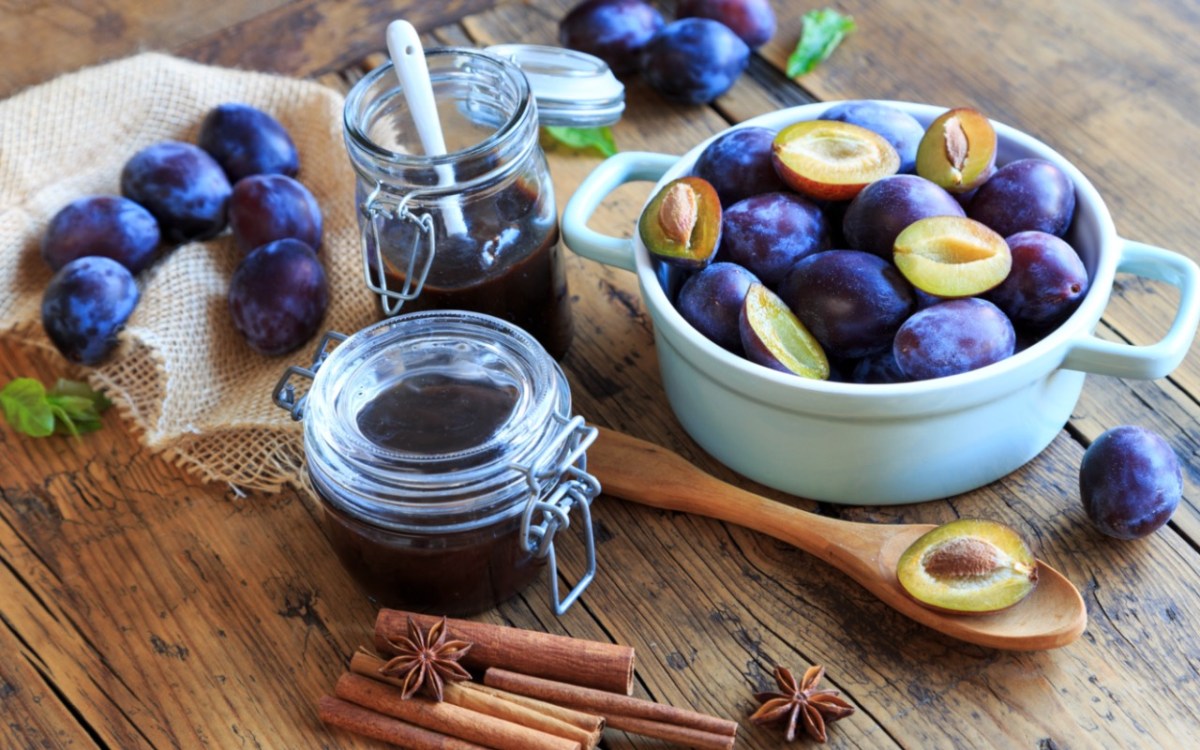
140,607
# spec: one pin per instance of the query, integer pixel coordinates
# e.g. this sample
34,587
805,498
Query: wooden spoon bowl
631,469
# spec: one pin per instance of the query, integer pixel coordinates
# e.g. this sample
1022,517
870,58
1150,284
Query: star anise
424,660
801,704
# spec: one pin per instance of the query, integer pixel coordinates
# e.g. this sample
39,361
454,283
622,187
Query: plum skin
182,186
278,296
752,20
1047,282
900,128
770,233
711,301
107,225
883,209
694,60
86,305
616,31
265,208
738,165
953,337
1025,195
245,141
1130,482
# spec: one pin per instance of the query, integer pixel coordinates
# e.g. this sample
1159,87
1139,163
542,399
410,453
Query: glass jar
443,450
473,229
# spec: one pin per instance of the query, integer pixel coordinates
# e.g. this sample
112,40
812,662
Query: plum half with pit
106,225
958,150
830,160
770,233
681,225
711,301
738,165
1047,282
1130,482
1025,195
953,337
616,31
182,186
853,302
269,207
752,20
886,207
245,141
901,129
774,337
694,60
952,256
86,305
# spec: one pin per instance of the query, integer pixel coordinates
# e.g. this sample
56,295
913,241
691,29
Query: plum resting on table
265,208
181,186
615,31
246,141
752,20
694,60
85,305
1130,482
107,225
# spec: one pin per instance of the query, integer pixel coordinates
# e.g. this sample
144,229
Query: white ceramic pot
893,443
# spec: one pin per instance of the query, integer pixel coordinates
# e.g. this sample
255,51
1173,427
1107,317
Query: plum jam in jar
443,451
475,228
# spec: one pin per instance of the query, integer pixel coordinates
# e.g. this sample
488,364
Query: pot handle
628,166
1152,361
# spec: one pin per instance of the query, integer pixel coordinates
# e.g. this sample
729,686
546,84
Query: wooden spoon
631,469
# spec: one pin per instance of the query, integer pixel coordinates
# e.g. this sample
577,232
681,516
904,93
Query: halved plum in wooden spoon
831,160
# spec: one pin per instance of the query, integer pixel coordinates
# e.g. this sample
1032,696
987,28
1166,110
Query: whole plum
1130,482
278,296
616,31
1046,283
879,367
711,301
1024,195
769,233
694,60
245,141
853,302
900,128
953,337
85,305
752,20
886,207
738,165
106,225
181,186
270,207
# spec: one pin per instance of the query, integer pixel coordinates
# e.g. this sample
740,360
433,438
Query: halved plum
968,567
774,337
952,256
958,151
682,224
831,160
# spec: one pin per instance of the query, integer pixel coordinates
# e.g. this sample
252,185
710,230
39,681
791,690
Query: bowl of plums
877,302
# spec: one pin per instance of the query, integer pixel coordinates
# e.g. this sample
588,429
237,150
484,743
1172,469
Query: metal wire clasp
574,489
284,394
374,212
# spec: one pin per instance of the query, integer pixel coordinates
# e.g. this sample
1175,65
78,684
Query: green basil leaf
823,31
600,139
26,409
62,421
64,387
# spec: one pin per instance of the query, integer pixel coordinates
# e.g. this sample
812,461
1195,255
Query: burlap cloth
182,374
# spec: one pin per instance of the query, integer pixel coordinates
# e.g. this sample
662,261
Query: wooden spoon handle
645,473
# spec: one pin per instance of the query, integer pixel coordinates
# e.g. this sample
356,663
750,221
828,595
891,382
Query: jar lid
572,88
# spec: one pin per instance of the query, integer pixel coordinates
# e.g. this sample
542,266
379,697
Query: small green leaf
26,409
64,387
600,139
823,31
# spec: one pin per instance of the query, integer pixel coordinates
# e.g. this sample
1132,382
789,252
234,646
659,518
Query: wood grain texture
139,608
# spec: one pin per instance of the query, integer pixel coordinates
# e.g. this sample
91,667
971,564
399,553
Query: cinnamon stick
603,666
606,704
581,719
674,733
352,718
446,718
494,704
